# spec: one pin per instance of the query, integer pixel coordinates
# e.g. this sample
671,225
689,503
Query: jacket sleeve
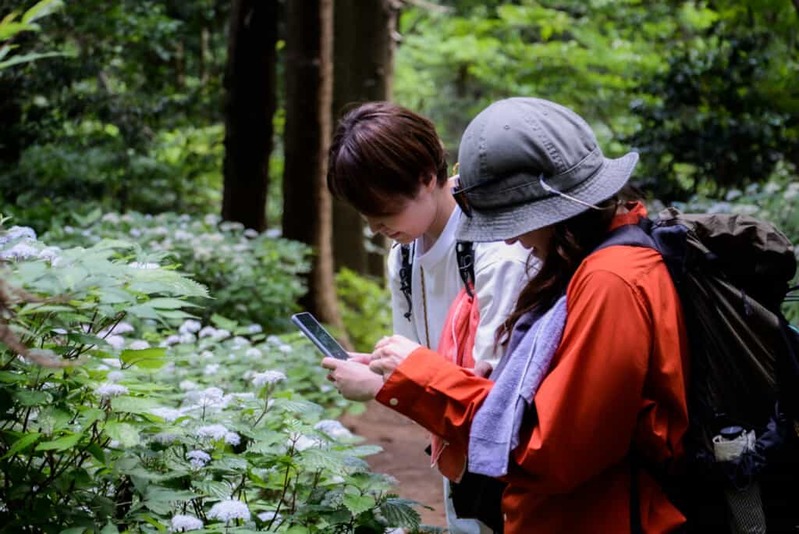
586,408
500,274
439,395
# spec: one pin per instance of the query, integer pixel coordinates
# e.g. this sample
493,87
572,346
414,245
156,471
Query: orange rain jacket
617,378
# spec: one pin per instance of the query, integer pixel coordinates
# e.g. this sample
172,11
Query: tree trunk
250,79
306,201
363,63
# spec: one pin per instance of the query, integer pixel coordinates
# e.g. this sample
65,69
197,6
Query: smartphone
314,331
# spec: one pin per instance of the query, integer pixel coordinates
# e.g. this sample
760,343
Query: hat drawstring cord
549,189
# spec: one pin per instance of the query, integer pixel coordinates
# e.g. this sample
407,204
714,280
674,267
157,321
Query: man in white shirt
389,163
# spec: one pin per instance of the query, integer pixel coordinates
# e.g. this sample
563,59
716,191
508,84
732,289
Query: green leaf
41,9
399,513
357,504
60,444
97,452
137,405
169,304
21,444
25,58
33,398
212,488
126,434
151,358
164,281
298,406
8,29
223,322
317,460
7,377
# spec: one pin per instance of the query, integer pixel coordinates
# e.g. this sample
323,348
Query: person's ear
431,184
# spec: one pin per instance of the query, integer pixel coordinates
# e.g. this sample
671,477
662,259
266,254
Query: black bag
732,273
479,497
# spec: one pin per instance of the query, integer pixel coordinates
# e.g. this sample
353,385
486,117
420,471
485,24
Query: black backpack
732,273
463,252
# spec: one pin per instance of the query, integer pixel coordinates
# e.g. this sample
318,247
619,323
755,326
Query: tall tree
363,66
250,80
306,201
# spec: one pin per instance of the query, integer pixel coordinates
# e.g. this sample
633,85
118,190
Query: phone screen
314,331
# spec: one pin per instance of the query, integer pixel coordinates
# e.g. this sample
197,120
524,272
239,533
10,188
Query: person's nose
511,241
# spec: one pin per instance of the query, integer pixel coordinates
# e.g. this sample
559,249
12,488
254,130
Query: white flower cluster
333,428
115,376
228,510
143,265
167,414
198,458
301,442
24,246
190,327
109,390
253,352
185,523
216,334
268,516
218,432
281,346
268,377
211,398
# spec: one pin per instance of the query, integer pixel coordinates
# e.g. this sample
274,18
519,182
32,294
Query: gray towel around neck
495,428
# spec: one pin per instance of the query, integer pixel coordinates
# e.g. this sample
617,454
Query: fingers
330,363
383,341
361,358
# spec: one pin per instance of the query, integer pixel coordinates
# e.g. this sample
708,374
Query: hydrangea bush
252,277
123,413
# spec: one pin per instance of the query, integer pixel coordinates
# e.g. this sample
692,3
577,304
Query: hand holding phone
320,337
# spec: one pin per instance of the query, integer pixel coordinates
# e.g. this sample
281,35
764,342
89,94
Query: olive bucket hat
527,163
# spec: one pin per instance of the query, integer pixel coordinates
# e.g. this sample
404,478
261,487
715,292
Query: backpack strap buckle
464,252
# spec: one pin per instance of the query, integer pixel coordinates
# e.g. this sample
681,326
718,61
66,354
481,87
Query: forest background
191,136
226,107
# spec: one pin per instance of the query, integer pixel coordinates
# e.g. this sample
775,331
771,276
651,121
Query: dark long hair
572,240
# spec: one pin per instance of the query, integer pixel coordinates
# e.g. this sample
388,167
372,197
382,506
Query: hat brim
507,223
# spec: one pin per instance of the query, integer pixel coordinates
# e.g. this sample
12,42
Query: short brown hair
380,151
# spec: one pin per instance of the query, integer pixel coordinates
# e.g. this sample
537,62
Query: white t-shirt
500,273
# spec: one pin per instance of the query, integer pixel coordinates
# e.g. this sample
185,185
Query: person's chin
402,239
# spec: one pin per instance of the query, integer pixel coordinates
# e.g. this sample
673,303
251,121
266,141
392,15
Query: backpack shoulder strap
634,235
405,278
464,252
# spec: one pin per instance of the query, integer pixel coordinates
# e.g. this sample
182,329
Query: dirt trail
403,457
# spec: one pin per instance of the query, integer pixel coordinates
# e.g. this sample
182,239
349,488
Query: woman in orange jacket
597,349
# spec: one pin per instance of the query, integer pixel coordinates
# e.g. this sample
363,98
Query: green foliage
130,120
704,91
150,429
91,167
10,27
711,122
587,55
252,277
365,309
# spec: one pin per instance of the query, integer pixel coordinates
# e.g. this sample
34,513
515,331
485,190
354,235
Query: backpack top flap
753,254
